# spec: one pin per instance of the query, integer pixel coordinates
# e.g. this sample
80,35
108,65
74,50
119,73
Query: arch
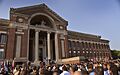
82,44
89,45
42,14
99,46
96,46
78,45
86,46
93,45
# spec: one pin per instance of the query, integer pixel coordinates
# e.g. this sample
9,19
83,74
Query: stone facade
36,33
90,46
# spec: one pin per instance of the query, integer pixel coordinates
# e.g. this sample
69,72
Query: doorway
40,54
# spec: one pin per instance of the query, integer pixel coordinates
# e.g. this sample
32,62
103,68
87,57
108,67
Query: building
37,33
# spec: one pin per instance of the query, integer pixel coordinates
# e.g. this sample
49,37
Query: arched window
41,20
69,44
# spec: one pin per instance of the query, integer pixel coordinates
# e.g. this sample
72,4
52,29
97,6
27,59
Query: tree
115,54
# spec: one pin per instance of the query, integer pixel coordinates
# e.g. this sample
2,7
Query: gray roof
74,33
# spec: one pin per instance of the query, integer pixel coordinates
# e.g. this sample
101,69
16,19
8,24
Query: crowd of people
83,68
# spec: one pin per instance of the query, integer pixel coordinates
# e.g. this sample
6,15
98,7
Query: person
114,68
48,71
65,71
106,71
73,68
110,70
34,72
55,73
98,69
23,70
29,68
16,71
84,72
91,70
119,70
77,73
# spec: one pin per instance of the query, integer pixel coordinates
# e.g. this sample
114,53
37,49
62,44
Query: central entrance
42,38
43,52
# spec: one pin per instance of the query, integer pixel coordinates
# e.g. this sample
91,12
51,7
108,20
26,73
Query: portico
43,40
43,46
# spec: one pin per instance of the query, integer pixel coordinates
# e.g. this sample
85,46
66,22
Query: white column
56,47
48,45
62,45
36,45
18,46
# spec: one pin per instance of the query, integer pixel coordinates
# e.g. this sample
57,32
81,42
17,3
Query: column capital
49,32
62,36
36,30
56,32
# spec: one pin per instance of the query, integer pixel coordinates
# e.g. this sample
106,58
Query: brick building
36,33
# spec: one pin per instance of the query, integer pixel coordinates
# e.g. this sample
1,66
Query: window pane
3,38
1,53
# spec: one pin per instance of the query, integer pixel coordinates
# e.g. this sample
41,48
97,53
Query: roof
104,40
4,21
37,6
74,33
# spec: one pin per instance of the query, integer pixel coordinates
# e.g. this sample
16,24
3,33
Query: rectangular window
3,38
1,53
69,44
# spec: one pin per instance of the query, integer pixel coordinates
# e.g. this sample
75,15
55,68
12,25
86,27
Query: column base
58,61
36,62
20,59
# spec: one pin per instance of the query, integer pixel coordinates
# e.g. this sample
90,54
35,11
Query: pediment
41,8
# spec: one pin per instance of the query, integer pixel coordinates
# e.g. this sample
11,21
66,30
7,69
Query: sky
99,17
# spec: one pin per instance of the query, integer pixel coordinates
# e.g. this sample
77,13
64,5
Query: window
1,53
74,51
74,44
3,38
83,51
87,52
69,51
89,45
69,44
86,44
90,52
78,45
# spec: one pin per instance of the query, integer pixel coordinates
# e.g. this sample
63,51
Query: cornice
4,21
14,10
79,34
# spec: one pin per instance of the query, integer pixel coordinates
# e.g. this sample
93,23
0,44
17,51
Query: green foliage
115,52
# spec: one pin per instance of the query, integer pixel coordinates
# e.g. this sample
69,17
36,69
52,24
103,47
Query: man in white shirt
65,72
